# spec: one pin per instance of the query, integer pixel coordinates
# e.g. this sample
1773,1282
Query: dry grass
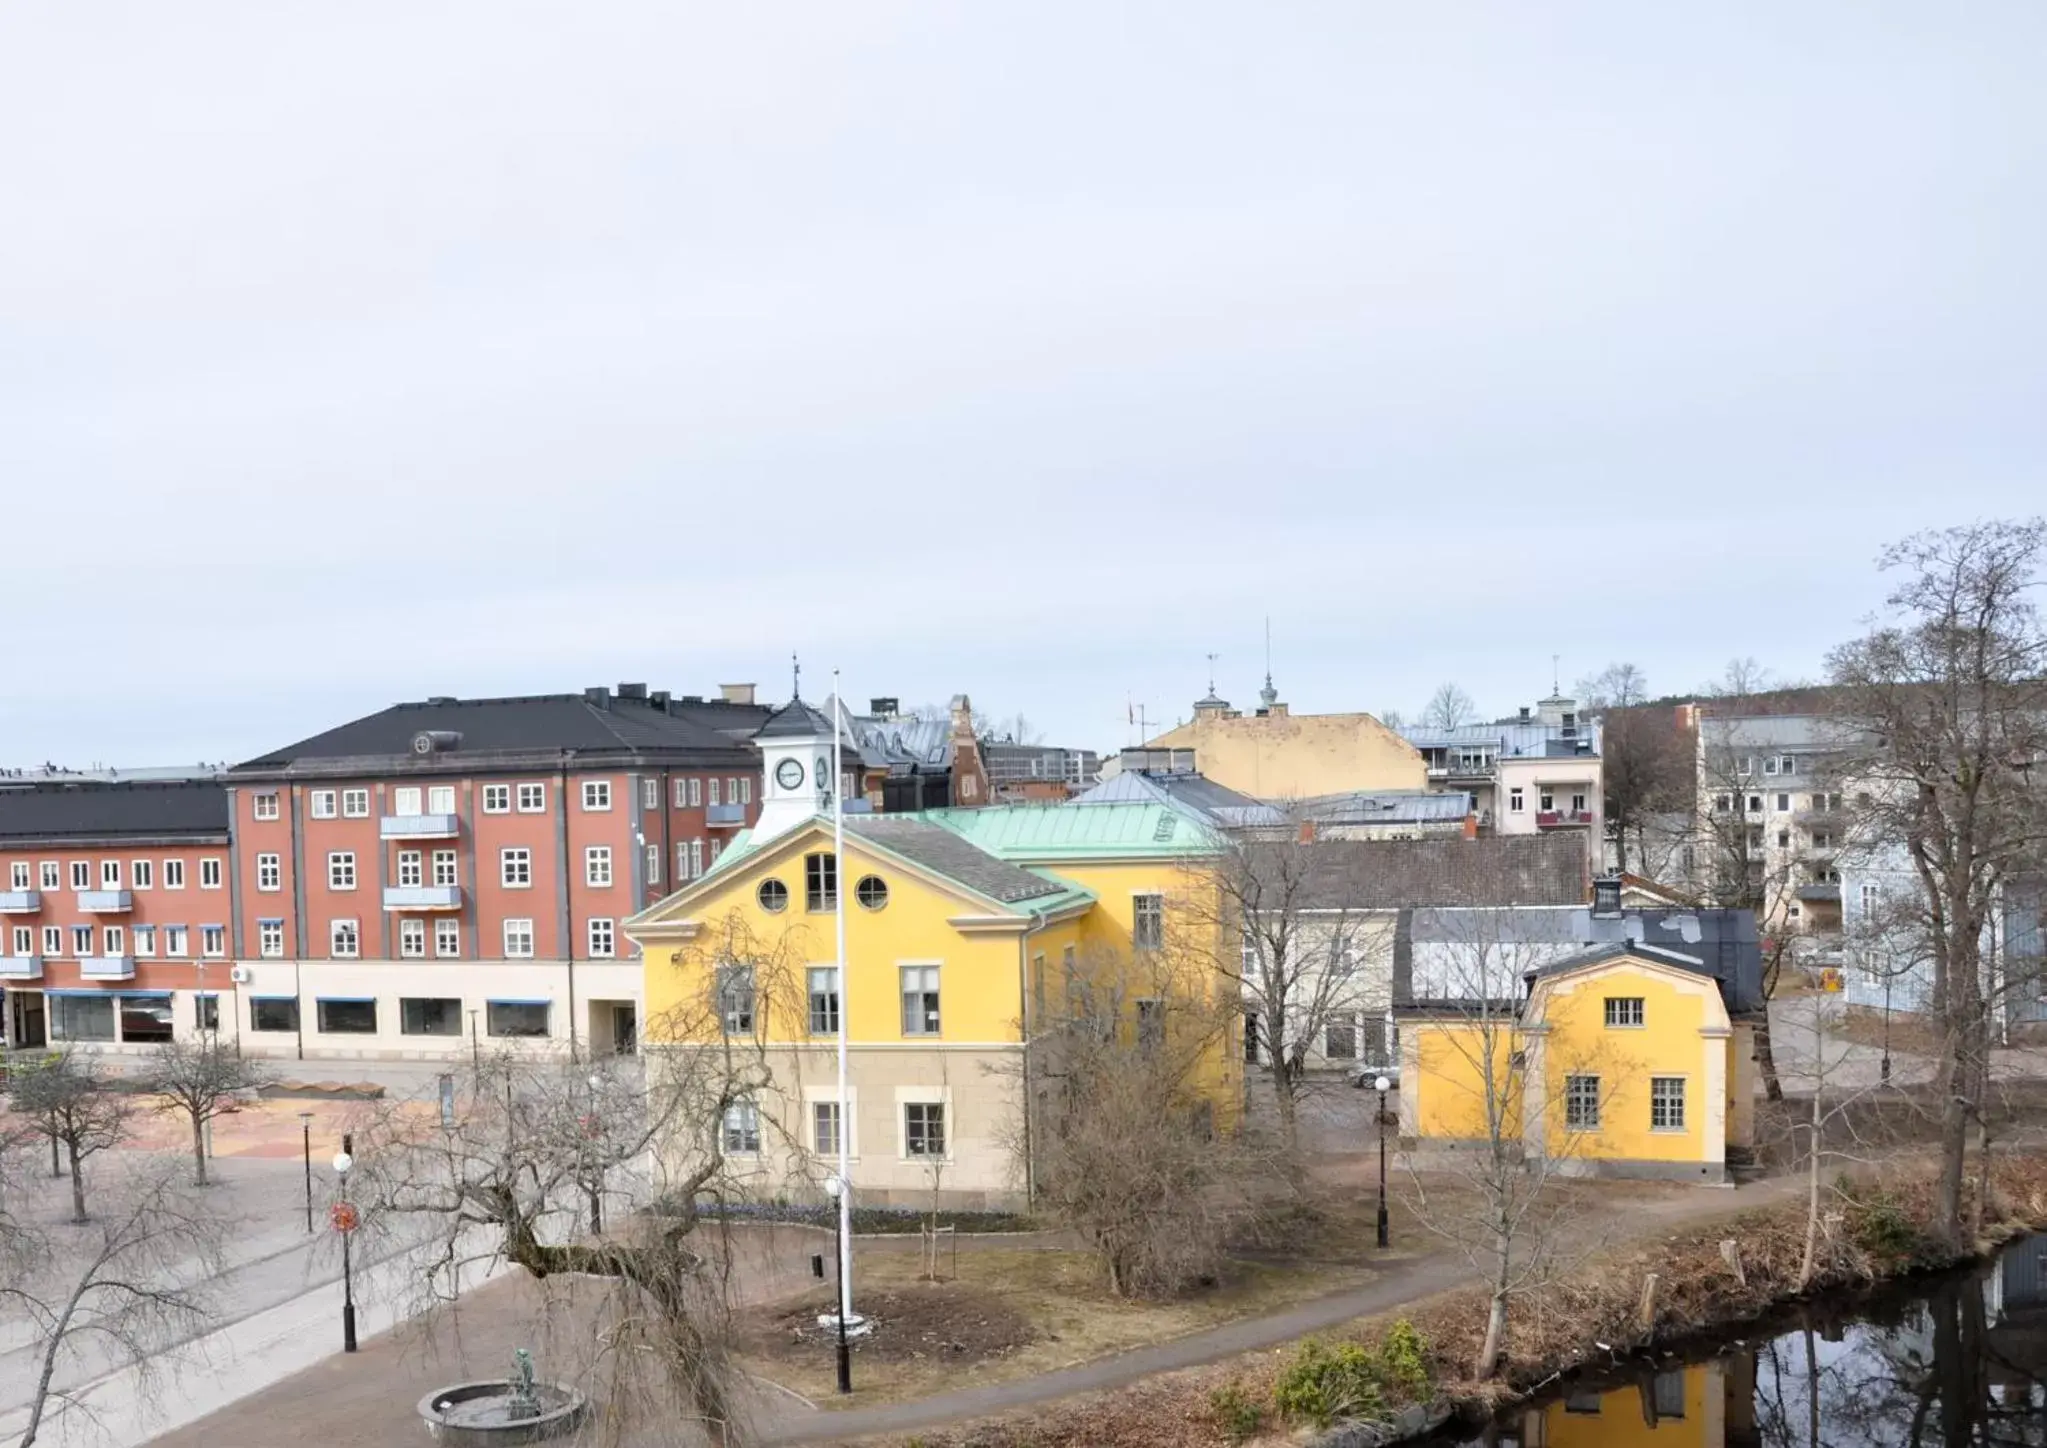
1010,1313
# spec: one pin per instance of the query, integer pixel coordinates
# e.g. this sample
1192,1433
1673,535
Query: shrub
1882,1228
1238,1415
1404,1364
1324,1383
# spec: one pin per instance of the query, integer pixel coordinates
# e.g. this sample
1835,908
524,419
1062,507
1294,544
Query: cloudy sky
356,353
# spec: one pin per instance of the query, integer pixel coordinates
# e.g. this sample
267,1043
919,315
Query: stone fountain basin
477,1415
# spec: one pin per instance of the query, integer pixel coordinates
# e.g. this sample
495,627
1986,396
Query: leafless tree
1122,1131
68,1099
124,1290
1447,708
1947,698
1505,1214
1268,910
1645,763
1742,678
200,1080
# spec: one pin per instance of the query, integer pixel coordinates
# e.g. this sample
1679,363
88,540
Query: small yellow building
1623,1060
1275,754
1706,1405
959,926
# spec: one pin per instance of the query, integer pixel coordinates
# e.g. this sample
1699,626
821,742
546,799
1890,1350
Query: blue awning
346,1000
515,1001
255,997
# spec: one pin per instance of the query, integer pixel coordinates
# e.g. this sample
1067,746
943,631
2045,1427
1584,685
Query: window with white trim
745,791
145,941
341,870
209,872
24,940
405,800
411,869
445,870
1148,921
712,797
596,795
532,799
142,874
650,794
824,1000
518,939
110,874
824,1128
269,872
1624,1012
735,998
603,938
696,858
177,942
696,793
116,940
343,941
497,799
1581,1103
412,939
682,860
355,804
447,937
1666,1103
920,1000
440,799
515,868
924,1129
597,866
322,804
174,874
52,875
740,1134
270,939
213,941
81,874
263,806
53,940
653,864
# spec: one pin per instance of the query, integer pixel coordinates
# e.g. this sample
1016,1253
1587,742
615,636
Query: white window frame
411,869
270,939
341,872
440,799
114,940
24,940
53,940
653,865
532,798
711,798
515,860
210,872
447,868
1659,1098
52,875
344,940
177,942
110,874
518,939
497,799
323,804
1516,801
269,871
411,938
696,792
602,936
355,804
696,859
740,1124
145,942
650,793
941,1100
596,796
81,874
447,938
681,861
597,866
929,982
264,806
213,941
1147,920
174,874
142,874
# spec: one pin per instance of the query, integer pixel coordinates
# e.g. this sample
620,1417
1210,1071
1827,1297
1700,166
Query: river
1951,1361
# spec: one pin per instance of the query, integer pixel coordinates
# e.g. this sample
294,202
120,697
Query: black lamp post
306,1134
1886,1068
1382,1086
343,1220
834,1188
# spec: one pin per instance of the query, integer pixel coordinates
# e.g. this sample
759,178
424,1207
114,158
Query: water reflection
1962,1363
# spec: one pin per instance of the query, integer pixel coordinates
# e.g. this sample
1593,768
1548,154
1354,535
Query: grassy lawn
1010,1313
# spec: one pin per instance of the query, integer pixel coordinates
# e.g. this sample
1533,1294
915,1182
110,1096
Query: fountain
496,1413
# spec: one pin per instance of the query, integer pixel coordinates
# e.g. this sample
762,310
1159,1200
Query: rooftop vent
885,708
435,741
692,698
659,699
598,695
632,691
443,699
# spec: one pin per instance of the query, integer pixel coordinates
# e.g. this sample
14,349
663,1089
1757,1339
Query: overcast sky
355,353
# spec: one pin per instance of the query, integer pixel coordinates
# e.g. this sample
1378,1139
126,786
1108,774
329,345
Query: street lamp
344,1222
1382,1086
1887,1029
835,1189
306,1135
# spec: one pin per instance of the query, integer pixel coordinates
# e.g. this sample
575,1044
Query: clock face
789,774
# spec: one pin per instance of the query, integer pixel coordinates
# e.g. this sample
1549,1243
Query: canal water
1958,1360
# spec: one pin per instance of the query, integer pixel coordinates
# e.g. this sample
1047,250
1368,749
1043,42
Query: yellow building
959,925
1706,1405
1620,1061
1276,754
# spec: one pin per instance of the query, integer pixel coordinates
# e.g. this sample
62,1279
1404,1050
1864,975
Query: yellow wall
1289,756
1623,1420
1443,1064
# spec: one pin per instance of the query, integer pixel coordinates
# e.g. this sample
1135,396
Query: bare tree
1742,678
1645,762
1447,708
1947,695
1269,909
122,1292
200,1080
1121,1132
68,1099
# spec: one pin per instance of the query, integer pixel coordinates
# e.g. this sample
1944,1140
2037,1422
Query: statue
525,1402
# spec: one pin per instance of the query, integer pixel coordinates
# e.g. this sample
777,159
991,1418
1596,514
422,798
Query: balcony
724,814
1562,819
106,967
105,902
20,902
419,827
422,897
21,967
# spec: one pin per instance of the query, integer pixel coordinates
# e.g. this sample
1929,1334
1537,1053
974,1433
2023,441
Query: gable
1624,974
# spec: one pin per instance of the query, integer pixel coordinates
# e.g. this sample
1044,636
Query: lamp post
306,1136
344,1222
1886,1069
1382,1086
475,1046
836,1190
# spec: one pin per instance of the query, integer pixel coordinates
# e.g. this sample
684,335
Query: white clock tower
798,776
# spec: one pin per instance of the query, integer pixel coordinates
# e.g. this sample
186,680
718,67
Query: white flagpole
839,924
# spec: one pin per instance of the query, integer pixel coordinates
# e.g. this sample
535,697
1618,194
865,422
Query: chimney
1524,713
885,708
1606,897
632,691
736,693
969,773
598,696
659,699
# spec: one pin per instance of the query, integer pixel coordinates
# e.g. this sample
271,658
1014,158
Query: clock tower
796,768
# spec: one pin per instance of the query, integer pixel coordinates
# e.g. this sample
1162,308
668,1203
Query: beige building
1275,754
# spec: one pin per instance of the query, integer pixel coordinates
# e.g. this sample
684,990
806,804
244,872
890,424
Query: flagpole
845,1113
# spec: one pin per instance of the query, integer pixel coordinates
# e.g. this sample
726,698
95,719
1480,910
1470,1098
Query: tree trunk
1954,1151
1766,1058
1812,1195
1283,1100
1979,1213
199,1147
77,1183
1496,1313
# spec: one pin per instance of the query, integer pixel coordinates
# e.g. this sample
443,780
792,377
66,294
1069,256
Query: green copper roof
1074,832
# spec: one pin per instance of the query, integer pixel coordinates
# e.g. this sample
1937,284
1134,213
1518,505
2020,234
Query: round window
774,896
871,892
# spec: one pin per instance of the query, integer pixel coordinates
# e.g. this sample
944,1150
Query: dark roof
1620,949
112,811
1546,869
795,718
541,723
943,852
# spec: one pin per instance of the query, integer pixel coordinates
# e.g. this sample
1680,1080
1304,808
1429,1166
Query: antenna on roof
1211,672
795,676
1556,678
1268,695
